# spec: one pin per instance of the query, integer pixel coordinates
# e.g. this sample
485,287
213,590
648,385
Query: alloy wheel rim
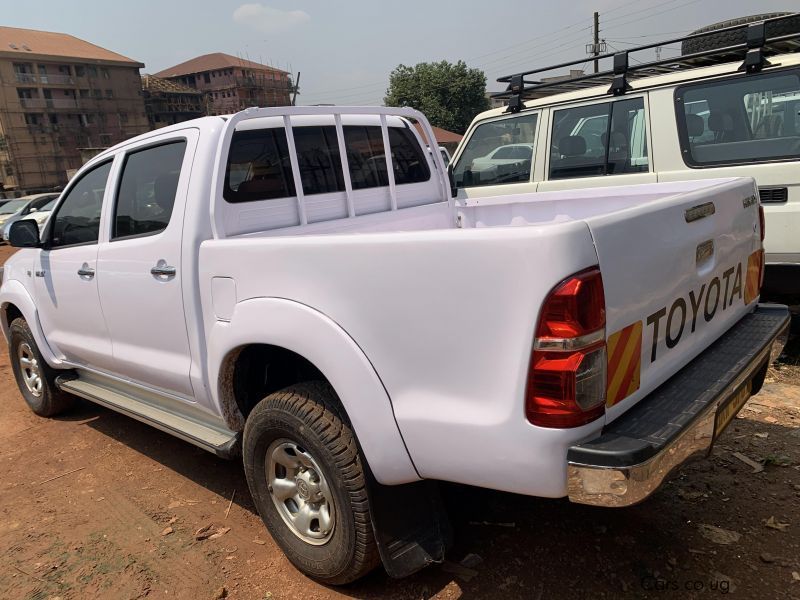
300,492
30,369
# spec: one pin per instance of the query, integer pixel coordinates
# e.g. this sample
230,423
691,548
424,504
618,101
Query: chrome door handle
163,271
86,271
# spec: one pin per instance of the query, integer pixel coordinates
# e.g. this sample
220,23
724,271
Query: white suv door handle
163,271
86,271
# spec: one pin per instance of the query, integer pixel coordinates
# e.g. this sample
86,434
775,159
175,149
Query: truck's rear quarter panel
447,318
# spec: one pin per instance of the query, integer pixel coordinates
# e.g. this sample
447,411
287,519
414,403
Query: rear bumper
680,419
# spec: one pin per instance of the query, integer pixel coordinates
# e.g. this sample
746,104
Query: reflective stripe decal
751,289
624,363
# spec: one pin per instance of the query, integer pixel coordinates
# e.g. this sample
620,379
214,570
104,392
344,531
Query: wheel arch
311,345
16,302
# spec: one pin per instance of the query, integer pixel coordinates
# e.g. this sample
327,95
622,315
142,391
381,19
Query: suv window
78,218
599,139
741,120
147,190
479,163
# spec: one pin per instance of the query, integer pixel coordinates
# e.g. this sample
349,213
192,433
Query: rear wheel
35,378
307,480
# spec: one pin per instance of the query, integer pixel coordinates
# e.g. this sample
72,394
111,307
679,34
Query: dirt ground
97,505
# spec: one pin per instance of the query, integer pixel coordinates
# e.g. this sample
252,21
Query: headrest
719,122
572,145
695,125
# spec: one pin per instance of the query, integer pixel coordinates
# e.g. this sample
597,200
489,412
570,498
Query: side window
599,139
627,138
479,163
365,156
258,166
408,161
147,190
318,159
577,141
740,120
78,218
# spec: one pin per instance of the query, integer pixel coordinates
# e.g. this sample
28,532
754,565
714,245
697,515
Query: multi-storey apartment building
231,83
61,98
168,102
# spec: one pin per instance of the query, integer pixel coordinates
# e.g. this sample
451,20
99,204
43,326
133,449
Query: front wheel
35,378
307,480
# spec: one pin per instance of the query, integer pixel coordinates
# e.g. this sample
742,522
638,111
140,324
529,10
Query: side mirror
24,234
33,210
451,176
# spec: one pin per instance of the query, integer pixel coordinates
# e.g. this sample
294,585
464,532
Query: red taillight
567,377
761,220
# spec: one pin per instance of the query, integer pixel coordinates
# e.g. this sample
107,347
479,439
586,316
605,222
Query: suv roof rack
753,52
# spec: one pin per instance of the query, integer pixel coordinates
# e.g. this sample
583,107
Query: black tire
738,36
308,414
50,401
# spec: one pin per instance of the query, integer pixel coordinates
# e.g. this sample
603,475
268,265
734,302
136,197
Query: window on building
109,93
206,78
78,218
80,71
97,93
33,118
512,138
64,70
123,118
105,139
105,73
147,190
25,93
53,119
84,93
92,70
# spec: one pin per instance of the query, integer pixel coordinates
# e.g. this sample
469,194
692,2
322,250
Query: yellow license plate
730,408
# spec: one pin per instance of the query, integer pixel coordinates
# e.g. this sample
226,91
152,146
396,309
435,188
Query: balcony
56,79
26,78
48,103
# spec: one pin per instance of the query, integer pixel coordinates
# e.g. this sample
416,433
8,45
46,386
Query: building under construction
231,83
61,99
168,102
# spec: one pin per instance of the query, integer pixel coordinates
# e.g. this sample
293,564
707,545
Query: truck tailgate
678,272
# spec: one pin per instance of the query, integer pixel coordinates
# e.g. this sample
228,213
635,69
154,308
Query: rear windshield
751,118
259,167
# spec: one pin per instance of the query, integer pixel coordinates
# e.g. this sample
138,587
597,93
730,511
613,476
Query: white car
685,118
26,207
357,334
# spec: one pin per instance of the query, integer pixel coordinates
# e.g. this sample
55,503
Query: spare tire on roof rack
737,36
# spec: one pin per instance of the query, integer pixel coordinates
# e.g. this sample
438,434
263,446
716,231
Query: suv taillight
567,376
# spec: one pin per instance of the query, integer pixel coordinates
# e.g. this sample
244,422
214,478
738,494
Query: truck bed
474,276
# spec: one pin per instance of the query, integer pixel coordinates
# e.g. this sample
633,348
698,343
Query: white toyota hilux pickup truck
299,287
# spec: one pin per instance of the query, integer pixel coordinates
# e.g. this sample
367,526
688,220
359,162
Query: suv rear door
598,143
139,263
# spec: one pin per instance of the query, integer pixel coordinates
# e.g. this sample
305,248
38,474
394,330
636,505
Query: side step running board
222,442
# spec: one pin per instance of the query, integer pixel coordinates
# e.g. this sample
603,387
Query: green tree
449,95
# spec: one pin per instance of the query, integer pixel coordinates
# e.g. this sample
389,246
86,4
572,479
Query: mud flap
410,524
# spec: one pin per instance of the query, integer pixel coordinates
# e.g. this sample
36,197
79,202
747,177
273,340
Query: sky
345,50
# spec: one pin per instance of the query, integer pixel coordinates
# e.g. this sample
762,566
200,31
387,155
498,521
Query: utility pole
596,41
296,86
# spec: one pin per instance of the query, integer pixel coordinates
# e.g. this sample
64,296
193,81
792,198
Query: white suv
730,106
